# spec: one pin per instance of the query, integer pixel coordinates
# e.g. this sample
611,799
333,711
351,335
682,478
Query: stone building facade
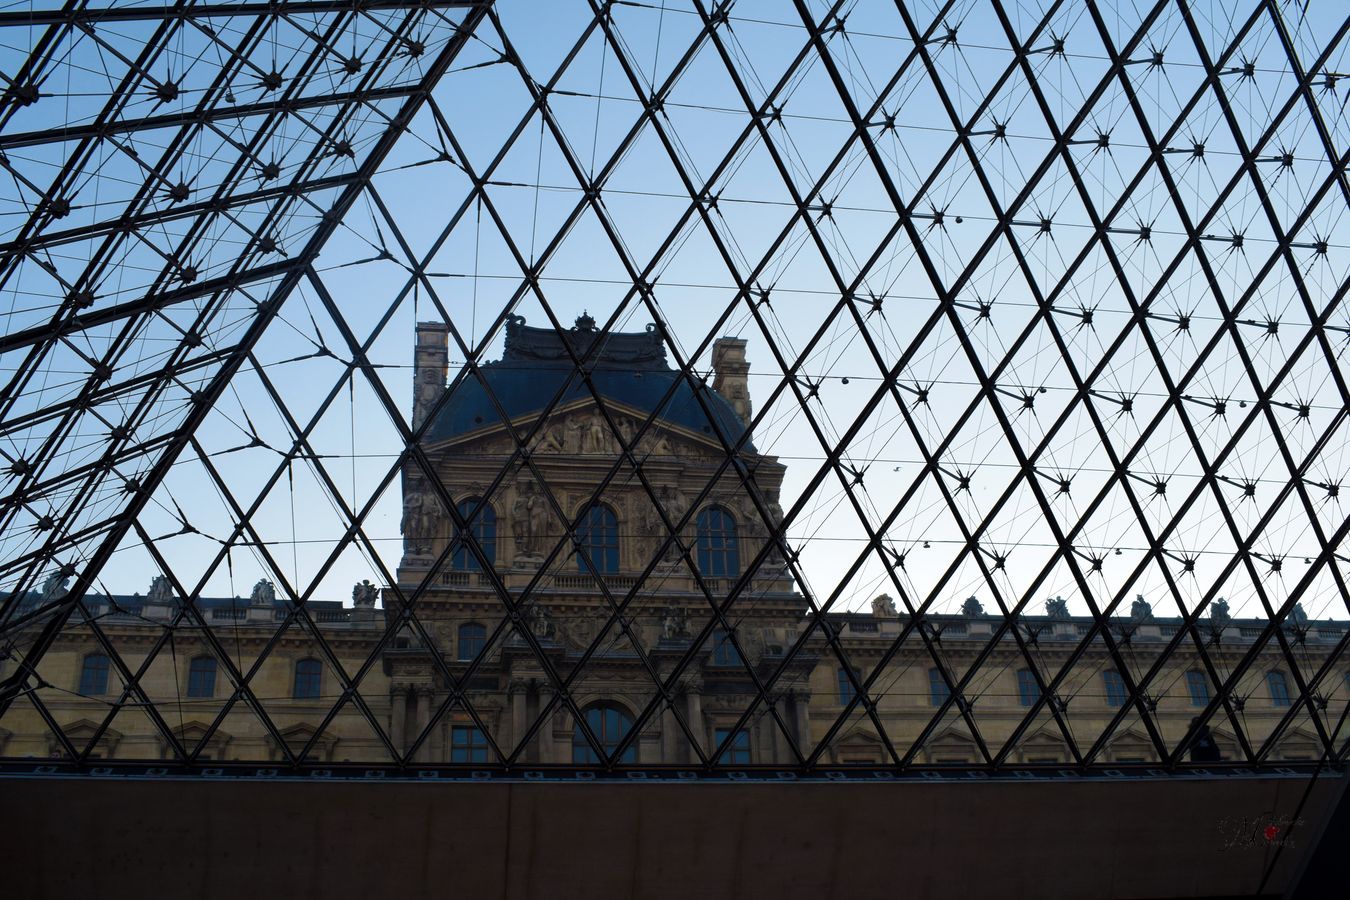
591,545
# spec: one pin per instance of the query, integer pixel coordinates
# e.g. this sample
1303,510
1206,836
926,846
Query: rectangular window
845,688
938,692
1028,691
1279,688
738,751
724,651
468,745
202,677
94,675
1198,685
1116,694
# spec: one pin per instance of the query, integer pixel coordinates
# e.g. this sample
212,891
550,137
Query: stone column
430,367
436,740
548,752
781,750
670,737
423,717
799,704
518,724
693,693
398,712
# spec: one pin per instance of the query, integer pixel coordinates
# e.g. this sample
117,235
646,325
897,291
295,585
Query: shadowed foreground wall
334,839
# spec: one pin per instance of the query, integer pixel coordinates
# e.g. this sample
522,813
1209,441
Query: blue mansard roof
628,368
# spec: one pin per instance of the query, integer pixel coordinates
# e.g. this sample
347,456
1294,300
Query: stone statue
574,434
553,440
1218,613
775,554
883,606
420,514
541,622
1057,608
529,520
54,586
596,436
972,607
161,591
1141,610
1298,616
264,593
365,593
675,623
676,506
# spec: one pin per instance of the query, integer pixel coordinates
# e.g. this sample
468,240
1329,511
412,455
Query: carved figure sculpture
264,593
161,591
972,607
365,593
420,514
1057,608
883,606
1141,609
676,506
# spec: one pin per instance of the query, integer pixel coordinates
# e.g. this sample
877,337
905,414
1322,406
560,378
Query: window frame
1028,691
609,717
312,674
198,673
1117,695
461,639
473,749
1197,686
1282,698
94,674
737,752
603,553
717,543
844,685
483,527
724,652
938,691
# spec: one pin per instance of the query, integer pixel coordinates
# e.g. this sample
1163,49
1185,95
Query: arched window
308,679
1116,695
1198,685
598,541
472,639
610,725
718,551
1279,688
938,692
94,675
202,677
481,519
1028,691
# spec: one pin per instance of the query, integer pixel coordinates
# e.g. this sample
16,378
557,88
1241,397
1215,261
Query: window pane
1198,685
472,639
598,537
717,545
94,675
738,751
1028,691
468,745
1116,694
202,677
1279,688
483,527
610,725
845,688
724,651
938,692
308,673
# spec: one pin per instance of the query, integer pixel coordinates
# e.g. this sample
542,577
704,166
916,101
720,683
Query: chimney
732,375
431,365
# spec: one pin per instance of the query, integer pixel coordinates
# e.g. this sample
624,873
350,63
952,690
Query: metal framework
1049,295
